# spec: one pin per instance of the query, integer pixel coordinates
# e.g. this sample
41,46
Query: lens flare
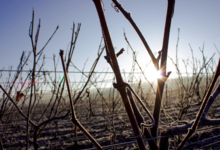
153,75
158,74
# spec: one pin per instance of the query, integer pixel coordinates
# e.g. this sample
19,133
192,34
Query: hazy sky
198,21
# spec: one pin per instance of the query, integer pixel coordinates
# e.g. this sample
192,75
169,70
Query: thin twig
205,101
74,119
129,18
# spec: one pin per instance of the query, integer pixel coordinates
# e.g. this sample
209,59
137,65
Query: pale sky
198,21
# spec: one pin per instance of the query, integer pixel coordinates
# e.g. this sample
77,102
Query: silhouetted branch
48,41
20,111
205,101
135,59
163,63
211,100
121,87
74,119
129,18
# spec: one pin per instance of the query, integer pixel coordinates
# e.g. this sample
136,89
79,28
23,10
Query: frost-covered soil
62,135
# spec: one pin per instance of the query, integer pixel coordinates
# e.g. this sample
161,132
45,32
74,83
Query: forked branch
13,102
121,86
74,118
129,18
161,82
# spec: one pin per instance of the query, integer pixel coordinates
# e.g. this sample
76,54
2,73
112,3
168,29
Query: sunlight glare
154,75
158,74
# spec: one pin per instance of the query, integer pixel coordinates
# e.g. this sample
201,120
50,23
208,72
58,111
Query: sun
153,75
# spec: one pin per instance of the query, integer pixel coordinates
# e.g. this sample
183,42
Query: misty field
107,122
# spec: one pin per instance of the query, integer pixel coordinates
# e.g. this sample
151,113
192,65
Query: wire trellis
99,72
